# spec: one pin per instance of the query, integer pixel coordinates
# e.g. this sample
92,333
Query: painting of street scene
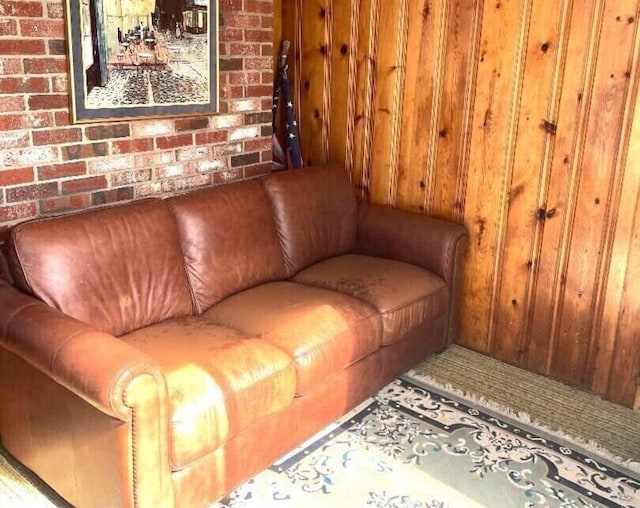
145,53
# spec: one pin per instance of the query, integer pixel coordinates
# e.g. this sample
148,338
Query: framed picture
142,58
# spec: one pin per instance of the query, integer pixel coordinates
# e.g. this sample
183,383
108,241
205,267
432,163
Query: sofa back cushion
316,214
229,240
117,269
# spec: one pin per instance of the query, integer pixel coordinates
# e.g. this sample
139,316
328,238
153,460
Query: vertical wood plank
354,39
453,117
422,36
496,97
327,96
468,109
278,19
536,128
624,379
365,93
616,363
578,73
571,354
345,37
388,71
314,52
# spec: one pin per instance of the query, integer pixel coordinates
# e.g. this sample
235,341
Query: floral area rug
417,446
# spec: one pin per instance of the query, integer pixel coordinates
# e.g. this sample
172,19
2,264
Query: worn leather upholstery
81,394
435,245
323,331
220,382
404,294
117,268
315,212
229,240
166,350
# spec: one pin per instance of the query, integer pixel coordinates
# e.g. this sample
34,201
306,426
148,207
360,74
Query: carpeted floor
554,405
573,414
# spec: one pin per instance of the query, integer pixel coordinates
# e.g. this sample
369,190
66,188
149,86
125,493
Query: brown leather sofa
160,352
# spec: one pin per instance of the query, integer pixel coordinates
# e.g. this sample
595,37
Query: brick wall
49,166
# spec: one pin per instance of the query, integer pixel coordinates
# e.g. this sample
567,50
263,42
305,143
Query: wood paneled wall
519,119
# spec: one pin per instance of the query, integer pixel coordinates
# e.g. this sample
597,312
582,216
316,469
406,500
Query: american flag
293,156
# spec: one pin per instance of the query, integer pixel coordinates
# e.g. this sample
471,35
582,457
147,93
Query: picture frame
133,59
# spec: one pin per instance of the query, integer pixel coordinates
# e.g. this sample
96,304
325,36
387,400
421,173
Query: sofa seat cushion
405,295
220,382
323,331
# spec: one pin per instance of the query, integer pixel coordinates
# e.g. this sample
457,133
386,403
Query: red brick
65,203
231,92
267,22
260,91
25,121
55,10
24,85
231,34
267,77
20,9
211,137
10,140
226,176
12,103
257,144
31,192
17,212
16,176
57,47
230,5
191,124
241,49
256,6
166,142
22,47
257,170
49,101
8,27
45,65
112,196
132,145
129,177
258,35
42,28
230,64
62,118
244,78
258,64
56,136
116,130
245,159
75,152
11,66
241,21
84,184
60,84
55,171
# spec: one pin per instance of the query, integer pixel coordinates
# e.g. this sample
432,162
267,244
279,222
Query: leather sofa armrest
119,381
433,244
95,366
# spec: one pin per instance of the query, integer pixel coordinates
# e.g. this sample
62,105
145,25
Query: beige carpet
581,417
576,414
